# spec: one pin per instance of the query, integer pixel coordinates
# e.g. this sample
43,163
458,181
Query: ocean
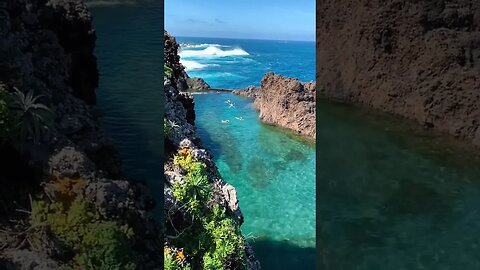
238,63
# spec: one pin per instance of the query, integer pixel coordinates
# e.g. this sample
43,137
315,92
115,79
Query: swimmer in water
225,121
239,118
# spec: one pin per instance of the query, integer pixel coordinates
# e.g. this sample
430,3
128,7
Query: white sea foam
197,46
191,65
213,51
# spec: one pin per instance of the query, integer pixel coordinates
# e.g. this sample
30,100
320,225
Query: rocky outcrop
62,28
249,92
197,84
417,59
182,139
72,23
46,47
171,59
285,102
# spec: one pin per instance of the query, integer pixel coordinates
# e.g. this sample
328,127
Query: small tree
31,118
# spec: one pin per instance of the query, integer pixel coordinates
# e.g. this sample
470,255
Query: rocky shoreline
285,102
65,201
186,163
419,60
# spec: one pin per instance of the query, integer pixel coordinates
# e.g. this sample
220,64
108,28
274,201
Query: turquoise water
394,196
274,175
272,170
129,52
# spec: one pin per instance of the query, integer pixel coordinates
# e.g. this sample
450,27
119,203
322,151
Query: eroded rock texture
417,59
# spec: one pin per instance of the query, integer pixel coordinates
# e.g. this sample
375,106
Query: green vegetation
195,189
97,243
175,259
214,237
167,70
32,119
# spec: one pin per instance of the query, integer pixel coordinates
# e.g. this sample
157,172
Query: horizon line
244,38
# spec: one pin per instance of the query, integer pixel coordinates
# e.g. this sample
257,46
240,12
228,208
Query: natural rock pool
392,195
274,174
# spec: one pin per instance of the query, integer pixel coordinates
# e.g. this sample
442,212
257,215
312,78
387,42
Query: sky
251,19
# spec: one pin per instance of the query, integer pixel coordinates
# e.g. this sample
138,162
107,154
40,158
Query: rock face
62,28
197,84
181,135
171,58
47,47
72,23
287,103
417,59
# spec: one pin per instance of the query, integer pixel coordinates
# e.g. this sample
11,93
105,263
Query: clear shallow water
393,196
274,175
129,52
273,171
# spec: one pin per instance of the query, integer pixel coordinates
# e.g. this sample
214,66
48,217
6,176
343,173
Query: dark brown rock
288,103
249,92
417,59
197,84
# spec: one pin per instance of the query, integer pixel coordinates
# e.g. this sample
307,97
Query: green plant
214,237
195,189
98,243
31,118
167,70
188,162
174,259
227,242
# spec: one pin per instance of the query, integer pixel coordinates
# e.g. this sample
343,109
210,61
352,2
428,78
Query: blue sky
255,19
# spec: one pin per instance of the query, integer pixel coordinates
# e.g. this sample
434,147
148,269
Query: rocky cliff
285,102
65,201
417,59
202,210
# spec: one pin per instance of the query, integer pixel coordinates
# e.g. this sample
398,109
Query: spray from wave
197,46
213,51
192,65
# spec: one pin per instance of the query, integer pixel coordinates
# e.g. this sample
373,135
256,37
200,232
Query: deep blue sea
129,52
272,170
238,63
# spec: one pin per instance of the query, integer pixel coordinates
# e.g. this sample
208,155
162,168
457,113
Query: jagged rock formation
285,102
46,47
249,92
197,84
182,141
417,59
